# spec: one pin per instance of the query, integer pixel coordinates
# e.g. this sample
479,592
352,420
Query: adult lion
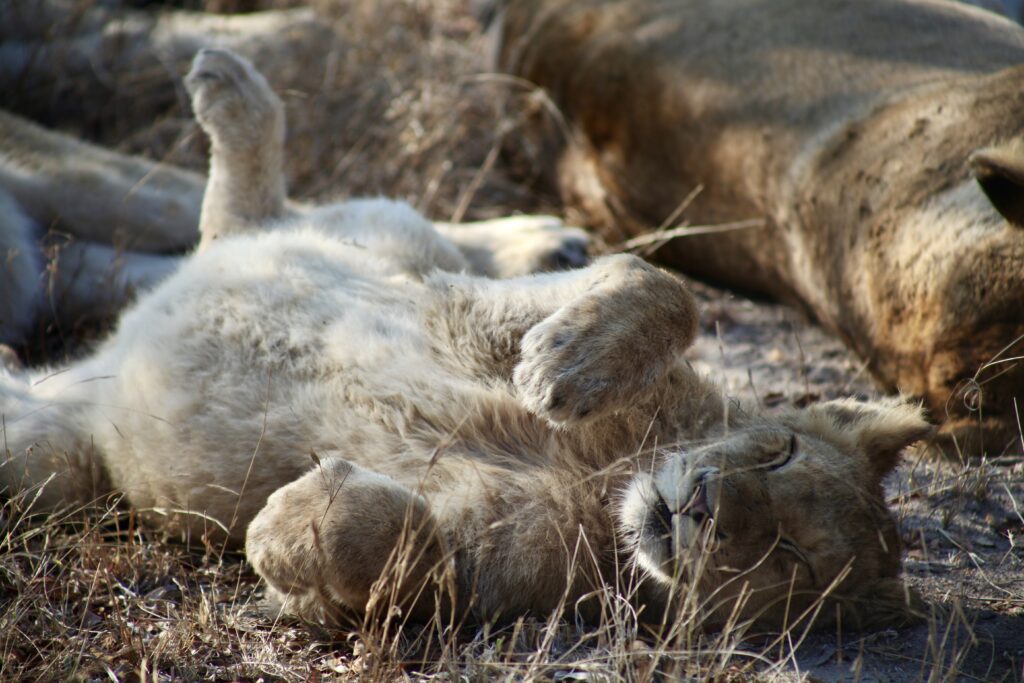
516,442
878,139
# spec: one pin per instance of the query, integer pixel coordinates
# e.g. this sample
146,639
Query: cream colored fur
377,428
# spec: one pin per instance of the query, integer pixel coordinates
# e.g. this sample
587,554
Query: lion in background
494,447
878,141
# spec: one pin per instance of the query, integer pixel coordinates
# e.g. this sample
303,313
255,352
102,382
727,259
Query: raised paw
232,100
600,351
521,245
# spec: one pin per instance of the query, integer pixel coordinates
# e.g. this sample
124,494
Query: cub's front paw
598,353
561,375
231,99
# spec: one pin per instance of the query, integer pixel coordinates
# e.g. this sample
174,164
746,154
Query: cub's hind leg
342,540
245,121
519,245
246,190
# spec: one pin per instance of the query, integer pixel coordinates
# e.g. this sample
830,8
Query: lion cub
490,446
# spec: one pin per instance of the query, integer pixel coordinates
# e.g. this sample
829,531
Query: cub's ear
1000,172
881,429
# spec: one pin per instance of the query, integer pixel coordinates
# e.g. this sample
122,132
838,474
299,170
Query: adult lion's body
848,127
499,446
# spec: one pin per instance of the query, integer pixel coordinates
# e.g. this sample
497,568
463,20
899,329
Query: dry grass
89,595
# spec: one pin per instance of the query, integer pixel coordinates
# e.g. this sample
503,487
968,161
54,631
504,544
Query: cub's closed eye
784,458
795,550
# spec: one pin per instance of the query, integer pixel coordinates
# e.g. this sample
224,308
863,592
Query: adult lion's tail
43,454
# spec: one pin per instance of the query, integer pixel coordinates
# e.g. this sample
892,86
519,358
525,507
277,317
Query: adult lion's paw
563,376
599,352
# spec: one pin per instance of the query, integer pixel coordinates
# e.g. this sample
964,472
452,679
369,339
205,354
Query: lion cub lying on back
519,441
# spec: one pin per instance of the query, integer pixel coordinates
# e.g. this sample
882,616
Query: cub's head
764,520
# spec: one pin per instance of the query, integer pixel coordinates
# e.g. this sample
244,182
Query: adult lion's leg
245,121
120,219
97,195
342,540
89,280
576,344
21,270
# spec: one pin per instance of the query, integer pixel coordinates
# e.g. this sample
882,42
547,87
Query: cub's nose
687,492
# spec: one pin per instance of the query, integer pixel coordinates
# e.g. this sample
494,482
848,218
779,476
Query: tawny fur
326,389
848,127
